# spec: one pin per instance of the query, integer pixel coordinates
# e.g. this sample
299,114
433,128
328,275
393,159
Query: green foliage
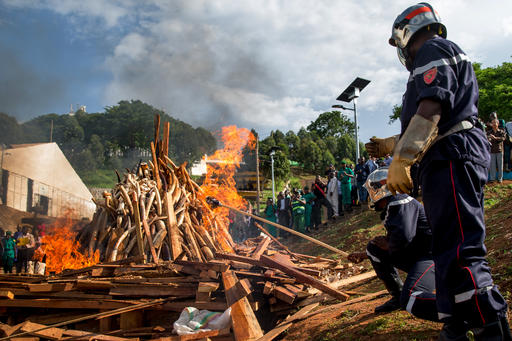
395,115
115,139
495,90
332,123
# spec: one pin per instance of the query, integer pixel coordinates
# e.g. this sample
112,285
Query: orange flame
62,250
221,167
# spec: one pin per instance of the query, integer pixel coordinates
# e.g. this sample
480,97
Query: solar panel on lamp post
351,93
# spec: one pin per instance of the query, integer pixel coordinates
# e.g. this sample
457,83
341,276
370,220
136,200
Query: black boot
495,331
453,331
391,305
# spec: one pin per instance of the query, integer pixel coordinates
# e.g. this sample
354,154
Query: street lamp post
351,93
272,153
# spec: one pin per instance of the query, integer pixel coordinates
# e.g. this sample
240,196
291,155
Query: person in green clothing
9,245
345,175
309,198
270,214
298,210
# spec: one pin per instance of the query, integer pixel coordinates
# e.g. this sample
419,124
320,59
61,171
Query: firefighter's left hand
399,177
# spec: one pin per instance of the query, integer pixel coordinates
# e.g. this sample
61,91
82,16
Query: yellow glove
399,177
418,137
381,147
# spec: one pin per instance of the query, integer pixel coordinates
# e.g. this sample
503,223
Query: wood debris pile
162,248
261,282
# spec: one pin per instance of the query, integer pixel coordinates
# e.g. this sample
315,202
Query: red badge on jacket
430,75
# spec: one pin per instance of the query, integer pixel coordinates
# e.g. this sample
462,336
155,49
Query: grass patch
102,178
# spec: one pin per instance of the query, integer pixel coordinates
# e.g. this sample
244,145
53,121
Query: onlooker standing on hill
319,190
284,210
345,175
271,214
496,136
507,146
309,198
9,247
298,211
361,173
332,193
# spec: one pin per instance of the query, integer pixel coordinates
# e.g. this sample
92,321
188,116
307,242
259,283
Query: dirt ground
358,321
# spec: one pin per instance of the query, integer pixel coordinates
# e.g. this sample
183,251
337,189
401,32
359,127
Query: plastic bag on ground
193,320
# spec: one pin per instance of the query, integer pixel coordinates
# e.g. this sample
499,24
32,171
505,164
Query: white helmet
411,21
376,185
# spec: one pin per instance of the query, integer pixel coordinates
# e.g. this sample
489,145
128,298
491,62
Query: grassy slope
359,322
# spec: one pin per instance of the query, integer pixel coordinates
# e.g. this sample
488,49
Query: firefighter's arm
379,147
418,136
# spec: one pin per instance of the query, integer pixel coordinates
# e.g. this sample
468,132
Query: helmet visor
402,55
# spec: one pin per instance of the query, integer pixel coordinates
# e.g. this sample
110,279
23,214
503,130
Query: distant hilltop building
38,178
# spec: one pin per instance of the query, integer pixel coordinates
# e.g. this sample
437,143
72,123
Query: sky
262,64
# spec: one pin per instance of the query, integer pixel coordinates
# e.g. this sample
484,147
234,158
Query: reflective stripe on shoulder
440,62
411,301
401,201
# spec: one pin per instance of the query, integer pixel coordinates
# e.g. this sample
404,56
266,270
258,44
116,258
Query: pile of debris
163,248
261,283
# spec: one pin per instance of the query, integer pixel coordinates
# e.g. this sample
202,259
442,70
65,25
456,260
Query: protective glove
399,177
416,140
378,147
357,257
381,242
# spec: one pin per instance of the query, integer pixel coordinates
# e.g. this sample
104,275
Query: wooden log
172,226
244,323
304,278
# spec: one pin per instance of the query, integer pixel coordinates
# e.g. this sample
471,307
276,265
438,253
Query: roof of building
45,163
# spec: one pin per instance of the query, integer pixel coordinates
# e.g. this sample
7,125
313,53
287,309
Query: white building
39,178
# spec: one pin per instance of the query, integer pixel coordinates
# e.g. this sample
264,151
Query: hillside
357,321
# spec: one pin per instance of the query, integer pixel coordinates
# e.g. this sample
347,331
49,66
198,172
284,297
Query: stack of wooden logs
157,212
261,282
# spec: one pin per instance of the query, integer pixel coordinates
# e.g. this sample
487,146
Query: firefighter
438,118
406,246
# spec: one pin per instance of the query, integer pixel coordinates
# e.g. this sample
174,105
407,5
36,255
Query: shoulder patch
430,75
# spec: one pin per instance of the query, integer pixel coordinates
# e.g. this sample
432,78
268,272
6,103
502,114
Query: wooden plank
261,248
207,286
244,323
239,290
51,287
304,278
172,226
206,335
179,306
105,324
215,265
271,335
33,329
87,284
80,335
268,288
102,272
284,294
64,304
153,291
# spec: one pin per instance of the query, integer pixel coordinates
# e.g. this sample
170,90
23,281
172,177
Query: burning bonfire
158,212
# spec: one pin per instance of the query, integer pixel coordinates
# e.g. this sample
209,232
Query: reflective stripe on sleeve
440,62
443,315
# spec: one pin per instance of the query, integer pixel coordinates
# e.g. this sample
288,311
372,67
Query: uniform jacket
408,232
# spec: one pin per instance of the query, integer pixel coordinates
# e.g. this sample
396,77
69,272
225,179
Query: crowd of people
338,192
500,141
17,249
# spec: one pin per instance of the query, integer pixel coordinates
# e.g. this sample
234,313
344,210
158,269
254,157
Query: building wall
51,200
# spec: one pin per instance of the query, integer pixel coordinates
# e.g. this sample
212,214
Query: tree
495,90
97,150
293,143
310,155
10,130
395,115
331,123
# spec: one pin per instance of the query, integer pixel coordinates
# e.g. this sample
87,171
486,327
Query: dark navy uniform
452,175
409,240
